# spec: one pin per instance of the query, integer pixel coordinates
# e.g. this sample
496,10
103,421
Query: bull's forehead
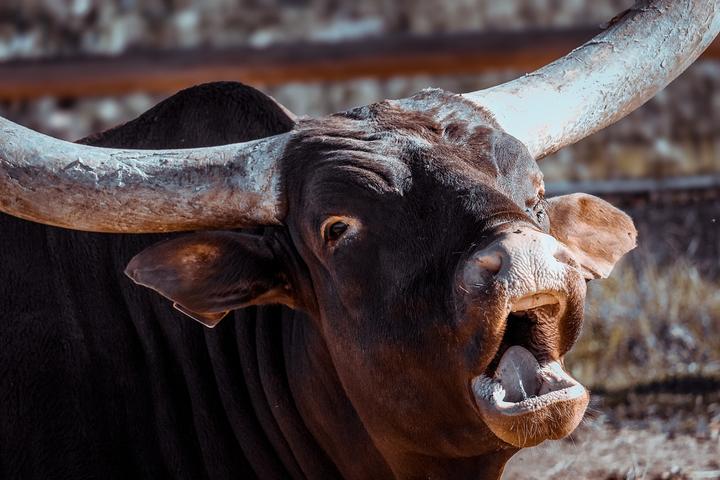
425,115
385,145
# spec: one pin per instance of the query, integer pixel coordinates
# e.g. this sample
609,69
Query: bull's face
446,289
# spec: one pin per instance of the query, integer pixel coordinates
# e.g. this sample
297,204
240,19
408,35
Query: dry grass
602,452
649,322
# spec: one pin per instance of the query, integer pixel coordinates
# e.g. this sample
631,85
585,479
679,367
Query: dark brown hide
368,378
102,379
204,116
388,354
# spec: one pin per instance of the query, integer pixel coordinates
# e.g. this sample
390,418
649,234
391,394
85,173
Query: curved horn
138,191
600,82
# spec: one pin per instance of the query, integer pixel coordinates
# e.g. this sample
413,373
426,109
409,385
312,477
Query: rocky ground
667,436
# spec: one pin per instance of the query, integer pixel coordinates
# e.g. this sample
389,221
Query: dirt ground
666,436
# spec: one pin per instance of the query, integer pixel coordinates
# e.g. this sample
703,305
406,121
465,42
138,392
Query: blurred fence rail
374,57
635,186
670,190
628,193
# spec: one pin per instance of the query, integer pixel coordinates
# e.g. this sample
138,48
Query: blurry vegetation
649,322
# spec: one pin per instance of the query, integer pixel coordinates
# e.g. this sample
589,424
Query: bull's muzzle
533,267
529,285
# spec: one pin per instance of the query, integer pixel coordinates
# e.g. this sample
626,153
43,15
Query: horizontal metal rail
375,57
635,186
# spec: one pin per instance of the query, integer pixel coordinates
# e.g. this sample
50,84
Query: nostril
490,262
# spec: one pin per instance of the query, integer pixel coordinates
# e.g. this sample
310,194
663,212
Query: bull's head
441,285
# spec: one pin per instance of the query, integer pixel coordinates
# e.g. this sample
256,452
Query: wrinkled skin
415,194
366,373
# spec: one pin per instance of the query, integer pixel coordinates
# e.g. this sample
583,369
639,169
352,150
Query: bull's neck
416,466
329,415
322,403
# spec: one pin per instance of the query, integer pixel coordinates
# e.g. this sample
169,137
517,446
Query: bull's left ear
597,233
210,273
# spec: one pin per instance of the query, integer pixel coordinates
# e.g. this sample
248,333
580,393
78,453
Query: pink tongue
517,373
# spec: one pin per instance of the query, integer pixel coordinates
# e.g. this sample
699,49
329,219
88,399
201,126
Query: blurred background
650,349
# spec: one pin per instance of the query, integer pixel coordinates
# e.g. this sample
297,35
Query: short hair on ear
208,274
597,233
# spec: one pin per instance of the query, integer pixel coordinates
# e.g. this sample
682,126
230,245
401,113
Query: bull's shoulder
205,115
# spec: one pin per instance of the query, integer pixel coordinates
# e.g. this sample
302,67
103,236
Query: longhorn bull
435,290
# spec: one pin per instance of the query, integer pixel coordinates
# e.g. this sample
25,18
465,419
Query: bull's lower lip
525,403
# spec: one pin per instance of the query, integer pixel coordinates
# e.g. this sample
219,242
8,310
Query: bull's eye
338,229
333,229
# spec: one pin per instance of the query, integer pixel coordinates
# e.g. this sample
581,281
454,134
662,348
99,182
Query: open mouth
525,396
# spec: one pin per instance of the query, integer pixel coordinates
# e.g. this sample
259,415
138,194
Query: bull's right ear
208,274
596,233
